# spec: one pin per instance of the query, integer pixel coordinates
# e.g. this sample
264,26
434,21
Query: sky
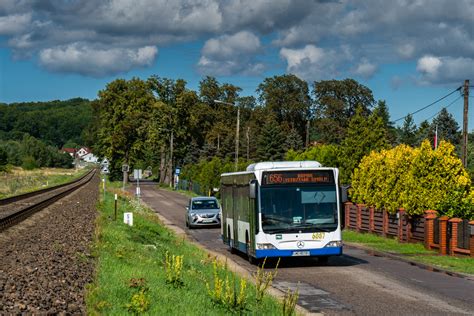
408,52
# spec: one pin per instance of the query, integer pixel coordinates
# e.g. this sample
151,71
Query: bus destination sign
298,177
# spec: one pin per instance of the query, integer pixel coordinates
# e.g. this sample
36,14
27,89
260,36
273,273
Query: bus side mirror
253,189
344,193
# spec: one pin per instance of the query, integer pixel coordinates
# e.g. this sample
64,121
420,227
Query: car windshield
299,208
204,204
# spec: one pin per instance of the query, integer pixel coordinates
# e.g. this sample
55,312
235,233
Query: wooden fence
450,236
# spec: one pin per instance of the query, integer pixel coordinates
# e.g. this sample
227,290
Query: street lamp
236,132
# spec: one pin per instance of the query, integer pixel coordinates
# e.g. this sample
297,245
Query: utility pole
237,139
464,128
248,141
171,160
307,134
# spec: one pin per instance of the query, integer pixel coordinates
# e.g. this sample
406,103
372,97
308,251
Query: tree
3,159
287,97
363,136
124,107
407,134
335,103
270,142
381,110
448,128
293,141
424,132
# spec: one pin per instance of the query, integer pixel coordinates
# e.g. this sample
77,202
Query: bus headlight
334,243
265,246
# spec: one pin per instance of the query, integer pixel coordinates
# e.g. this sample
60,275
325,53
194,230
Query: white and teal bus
283,209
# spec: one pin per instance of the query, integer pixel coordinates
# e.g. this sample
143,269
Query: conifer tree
271,142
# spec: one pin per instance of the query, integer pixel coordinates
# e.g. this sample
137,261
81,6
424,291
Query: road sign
137,173
125,168
177,171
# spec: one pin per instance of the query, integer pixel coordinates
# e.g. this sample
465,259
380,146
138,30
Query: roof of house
69,150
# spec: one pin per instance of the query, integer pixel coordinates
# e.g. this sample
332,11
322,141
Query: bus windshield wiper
277,231
312,226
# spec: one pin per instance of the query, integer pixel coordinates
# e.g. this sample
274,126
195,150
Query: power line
445,107
431,104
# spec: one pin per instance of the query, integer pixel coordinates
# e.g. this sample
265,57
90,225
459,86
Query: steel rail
27,195
22,214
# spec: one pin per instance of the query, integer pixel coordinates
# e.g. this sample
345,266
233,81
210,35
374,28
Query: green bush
415,179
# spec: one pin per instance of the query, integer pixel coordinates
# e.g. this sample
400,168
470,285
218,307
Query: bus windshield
305,208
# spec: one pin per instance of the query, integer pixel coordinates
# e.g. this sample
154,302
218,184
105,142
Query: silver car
203,211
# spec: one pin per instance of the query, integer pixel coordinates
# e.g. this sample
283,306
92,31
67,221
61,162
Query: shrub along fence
450,236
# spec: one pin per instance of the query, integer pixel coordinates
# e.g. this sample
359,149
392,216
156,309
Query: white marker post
128,218
115,208
103,187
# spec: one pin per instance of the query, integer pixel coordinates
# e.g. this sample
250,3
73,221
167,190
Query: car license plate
300,253
207,220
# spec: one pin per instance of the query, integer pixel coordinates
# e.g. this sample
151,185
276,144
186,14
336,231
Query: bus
283,209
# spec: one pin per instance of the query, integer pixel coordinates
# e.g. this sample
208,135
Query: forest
134,122
337,122
31,134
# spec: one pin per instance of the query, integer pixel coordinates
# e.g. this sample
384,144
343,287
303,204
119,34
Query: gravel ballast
45,261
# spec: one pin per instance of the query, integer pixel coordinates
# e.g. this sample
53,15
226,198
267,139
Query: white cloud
231,54
12,24
341,32
310,62
365,69
428,65
95,62
436,70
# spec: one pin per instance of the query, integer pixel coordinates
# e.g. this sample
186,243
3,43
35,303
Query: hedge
416,179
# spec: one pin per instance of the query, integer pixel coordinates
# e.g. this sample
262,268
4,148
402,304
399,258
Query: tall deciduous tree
335,103
287,97
124,108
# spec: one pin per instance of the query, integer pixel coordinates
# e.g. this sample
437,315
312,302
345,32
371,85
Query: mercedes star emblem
300,244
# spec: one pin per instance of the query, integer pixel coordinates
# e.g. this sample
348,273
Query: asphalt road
355,283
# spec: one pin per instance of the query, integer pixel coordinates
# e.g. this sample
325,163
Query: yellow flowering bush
416,180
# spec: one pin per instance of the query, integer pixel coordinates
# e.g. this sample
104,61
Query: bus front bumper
326,251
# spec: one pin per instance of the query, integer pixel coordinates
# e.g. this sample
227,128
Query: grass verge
414,252
18,181
146,268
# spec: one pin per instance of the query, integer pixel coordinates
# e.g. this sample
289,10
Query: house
70,151
83,151
90,158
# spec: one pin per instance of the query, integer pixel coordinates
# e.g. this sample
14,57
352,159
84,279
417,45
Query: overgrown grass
132,278
415,252
18,181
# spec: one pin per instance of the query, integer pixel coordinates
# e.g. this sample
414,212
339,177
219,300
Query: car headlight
192,214
334,243
265,246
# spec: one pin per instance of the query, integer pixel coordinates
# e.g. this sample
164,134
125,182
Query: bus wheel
251,259
231,246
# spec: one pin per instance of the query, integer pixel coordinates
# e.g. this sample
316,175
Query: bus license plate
300,253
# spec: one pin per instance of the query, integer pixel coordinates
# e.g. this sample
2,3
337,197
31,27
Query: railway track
17,208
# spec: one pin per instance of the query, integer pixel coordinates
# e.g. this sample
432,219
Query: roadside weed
263,280
174,268
289,302
224,291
